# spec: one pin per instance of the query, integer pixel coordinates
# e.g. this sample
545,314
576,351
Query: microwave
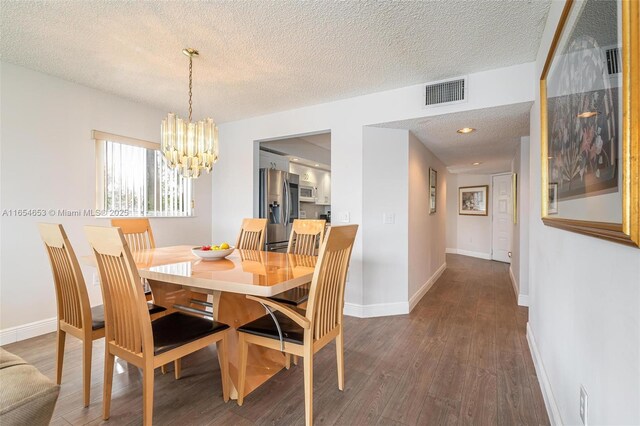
307,194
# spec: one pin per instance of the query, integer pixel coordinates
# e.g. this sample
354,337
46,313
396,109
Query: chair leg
224,368
295,359
163,369
242,345
109,359
340,358
308,384
60,355
86,370
177,364
147,395
287,361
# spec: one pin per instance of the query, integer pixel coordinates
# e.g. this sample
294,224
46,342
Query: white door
502,226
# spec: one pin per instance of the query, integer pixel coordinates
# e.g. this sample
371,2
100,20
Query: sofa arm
26,395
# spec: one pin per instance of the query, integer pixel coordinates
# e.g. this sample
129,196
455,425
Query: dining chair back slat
252,234
137,233
306,236
71,292
326,295
128,324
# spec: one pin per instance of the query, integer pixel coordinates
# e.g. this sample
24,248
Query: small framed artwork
553,199
473,200
433,185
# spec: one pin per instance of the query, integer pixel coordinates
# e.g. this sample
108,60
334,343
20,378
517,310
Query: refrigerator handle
285,200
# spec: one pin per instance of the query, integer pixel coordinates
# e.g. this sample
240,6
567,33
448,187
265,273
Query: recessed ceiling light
466,130
317,165
477,163
294,159
587,114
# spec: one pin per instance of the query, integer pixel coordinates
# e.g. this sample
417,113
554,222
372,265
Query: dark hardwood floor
461,357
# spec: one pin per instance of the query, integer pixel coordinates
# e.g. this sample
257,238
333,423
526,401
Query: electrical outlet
584,405
388,218
344,217
96,280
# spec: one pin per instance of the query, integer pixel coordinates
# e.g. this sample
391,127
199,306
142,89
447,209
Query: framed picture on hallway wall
433,190
590,121
473,200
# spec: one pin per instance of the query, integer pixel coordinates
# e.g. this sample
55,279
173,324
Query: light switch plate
388,218
345,217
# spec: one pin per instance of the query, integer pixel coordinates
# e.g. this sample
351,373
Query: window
134,180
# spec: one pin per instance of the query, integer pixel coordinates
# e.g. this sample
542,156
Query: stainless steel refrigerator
279,204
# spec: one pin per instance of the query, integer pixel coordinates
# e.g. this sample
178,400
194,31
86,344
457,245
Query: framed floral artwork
590,153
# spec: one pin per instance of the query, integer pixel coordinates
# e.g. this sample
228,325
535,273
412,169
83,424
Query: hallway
460,357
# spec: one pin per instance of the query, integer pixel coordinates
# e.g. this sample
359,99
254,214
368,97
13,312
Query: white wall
385,170
520,245
48,161
345,119
584,296
427,232
452,208
473,233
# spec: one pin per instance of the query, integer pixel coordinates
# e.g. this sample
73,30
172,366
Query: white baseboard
545,386
477,254
413,301
27,331
523,299
376,310
396,308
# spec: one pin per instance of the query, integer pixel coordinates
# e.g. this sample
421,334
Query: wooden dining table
177,277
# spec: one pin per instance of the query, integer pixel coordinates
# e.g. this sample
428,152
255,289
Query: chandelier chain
190,85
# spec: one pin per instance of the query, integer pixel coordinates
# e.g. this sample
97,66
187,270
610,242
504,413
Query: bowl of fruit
213,252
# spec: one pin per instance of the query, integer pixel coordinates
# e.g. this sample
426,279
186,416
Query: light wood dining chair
252,233
301,333
74,311
131,335
137,232
75,315
306,236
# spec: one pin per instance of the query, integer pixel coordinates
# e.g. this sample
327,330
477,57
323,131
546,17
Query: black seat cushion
154,309
295,296
265,327
177,329
97,317
97,314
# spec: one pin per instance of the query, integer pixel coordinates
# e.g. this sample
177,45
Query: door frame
493,212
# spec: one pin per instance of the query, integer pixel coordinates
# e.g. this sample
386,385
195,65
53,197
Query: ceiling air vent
445,92
614,62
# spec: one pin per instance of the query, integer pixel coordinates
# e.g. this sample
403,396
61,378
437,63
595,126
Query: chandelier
189,147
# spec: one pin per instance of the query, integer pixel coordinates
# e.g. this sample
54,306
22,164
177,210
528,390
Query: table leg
235,310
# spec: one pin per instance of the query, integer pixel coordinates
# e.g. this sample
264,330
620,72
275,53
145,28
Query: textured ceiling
261,57
494,143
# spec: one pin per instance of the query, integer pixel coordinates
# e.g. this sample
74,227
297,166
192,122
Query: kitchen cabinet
316,178
323,188
308,175
269,160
